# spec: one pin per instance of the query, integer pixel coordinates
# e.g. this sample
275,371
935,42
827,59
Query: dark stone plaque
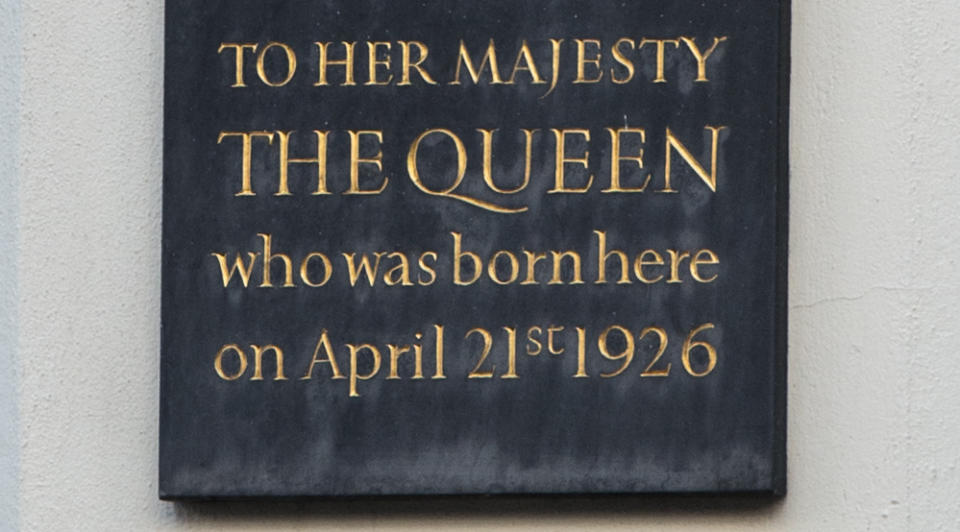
528,247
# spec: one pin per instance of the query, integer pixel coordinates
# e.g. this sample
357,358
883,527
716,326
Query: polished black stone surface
560,426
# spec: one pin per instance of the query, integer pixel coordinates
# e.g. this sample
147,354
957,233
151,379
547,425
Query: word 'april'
570,149
593,61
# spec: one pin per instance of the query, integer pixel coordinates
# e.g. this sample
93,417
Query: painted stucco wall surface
874,394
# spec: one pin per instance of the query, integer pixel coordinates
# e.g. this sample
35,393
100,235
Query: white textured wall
10,66
874,400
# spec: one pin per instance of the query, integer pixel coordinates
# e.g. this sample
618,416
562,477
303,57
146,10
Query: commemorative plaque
499,247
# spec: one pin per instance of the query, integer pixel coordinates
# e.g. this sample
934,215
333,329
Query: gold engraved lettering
238,49
642,261
514,267
373,62
583,61
528,65
676,258
603,256
243,270
365,268
285,161
346,63
458,256
534,346
305,269
626,355
511,354
616,158
323,342
395,352
354,375
489,57
291,64
689,345
555,73
701,57
487,344
550,347
418,360
709,257
487,136
562,160
218,362
661,46
438,354
268,258
356,161
246,180
661,335
422,53
558,263
532,259
258,362
425,268
399,274
581,354
414,173
711,178
623,60
461,162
